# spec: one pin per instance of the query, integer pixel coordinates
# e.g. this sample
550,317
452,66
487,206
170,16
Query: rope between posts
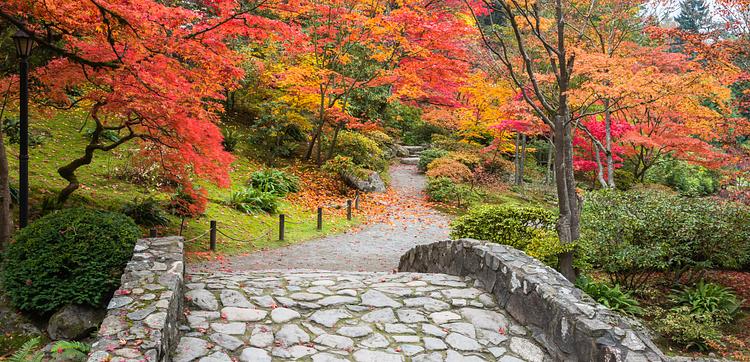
265,234
198,237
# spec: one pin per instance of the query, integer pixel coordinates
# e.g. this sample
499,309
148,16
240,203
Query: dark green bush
70,256
632,234
274,181
613,298
443,189
251,200
513,226
146,212
428,156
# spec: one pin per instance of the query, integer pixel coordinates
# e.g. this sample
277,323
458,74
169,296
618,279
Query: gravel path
375,247
347,316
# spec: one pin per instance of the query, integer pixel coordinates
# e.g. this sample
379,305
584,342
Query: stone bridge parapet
567,322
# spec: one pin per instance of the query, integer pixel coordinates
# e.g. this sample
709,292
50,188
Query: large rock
74,322
373,183
400,151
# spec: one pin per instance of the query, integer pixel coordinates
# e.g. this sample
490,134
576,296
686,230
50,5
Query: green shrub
71,256
613,298
428,156
363,151
146,212
632,234
443,189
420,133
231,139
689,330
380,137
689,180
251,200
508,225
274,181
708,298
28,352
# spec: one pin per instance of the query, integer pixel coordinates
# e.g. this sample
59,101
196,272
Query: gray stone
484,319
375,298
73,322
397,328
434,330
233,298
434,344
229,328
444,317
216,357
254,355
360,330
189,349
226,341
467,329
411,349
329,317
334,341
380,316
118,302
462,343
337,300
429,304
526,349
364,355
410,316
306,297
202,299
243,314
373,183
406,339
261,336
283,315
291,334
453,356
327,357
376,340
432,357
265,301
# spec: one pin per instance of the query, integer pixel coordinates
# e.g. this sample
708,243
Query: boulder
373,183
74,322
400,151
410,160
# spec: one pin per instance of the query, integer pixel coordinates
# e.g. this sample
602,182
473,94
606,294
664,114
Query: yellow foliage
450,168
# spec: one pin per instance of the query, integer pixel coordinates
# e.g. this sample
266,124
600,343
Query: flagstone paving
346,316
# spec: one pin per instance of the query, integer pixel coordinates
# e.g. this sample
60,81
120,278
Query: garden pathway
346,316
374,247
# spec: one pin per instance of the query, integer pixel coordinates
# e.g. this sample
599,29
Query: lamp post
24,43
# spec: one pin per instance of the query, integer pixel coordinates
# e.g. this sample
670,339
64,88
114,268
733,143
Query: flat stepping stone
409,160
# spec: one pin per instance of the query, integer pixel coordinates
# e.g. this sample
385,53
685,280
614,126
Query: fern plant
71,350
708,298
613,298
27,352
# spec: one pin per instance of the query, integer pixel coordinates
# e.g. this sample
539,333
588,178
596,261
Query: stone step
415,148
410,160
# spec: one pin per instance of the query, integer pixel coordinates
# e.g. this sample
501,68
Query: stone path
342,316
375,247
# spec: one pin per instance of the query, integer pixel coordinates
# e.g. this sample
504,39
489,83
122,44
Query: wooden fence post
212,235
281,227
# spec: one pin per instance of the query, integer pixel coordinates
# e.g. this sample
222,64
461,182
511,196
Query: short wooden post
356,200
152,233
212,235
281,227
320,218
348,209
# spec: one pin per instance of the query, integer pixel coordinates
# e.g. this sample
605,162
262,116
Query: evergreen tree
694,16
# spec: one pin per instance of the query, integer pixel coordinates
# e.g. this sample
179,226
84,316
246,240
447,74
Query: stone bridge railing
571,325
142,317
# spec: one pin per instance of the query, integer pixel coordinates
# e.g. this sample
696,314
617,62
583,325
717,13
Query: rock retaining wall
141,320
571,325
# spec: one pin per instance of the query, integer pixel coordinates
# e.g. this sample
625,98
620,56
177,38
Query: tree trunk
516,159
319,128
549,174
6,218
608,145
599,167
522,162
332,148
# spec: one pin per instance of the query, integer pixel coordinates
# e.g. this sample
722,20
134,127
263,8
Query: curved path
375,247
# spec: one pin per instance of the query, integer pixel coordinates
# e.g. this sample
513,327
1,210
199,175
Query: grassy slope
101,190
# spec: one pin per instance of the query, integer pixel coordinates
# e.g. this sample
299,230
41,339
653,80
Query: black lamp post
24,43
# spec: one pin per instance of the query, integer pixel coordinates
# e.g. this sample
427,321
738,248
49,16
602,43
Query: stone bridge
451,301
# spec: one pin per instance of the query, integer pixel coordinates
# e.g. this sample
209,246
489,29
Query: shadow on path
374,247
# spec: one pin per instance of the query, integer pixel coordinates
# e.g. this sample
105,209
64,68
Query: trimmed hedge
72,256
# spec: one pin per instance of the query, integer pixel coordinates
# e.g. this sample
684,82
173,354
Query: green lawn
65,138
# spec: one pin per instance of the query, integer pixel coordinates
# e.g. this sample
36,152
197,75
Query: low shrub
688,180
363,151
71,256
633,234
708,298
380,137
508,225
429,155
146,212
443,189
698,331
470,160
449,168
251,200
274,181
613,298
